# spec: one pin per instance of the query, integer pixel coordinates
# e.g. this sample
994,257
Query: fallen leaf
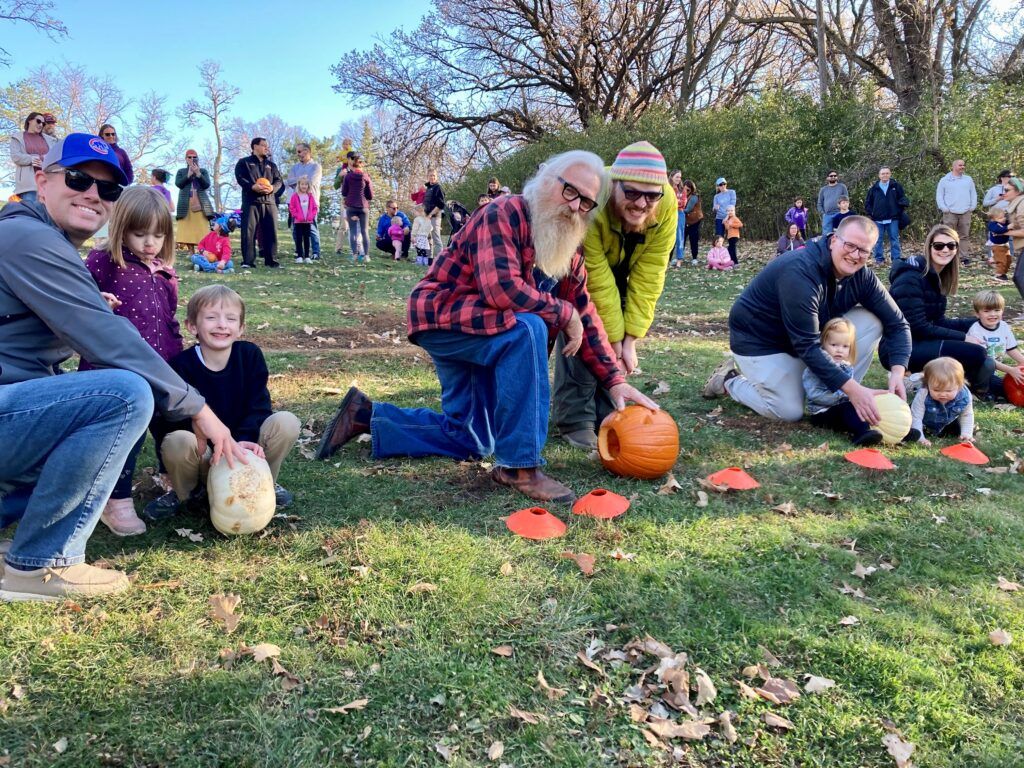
18,691
650,646
829,495
637,713
495,751
222,608
308,330
264,651
586,662
707,485
527,717
61,745
502,650
702,499
288,680
506,569
552,693
690,730
862,571
782,448
899,749
984,491
939,519
746,691
815,684
661,389
779,691
653,740
172,584
670,486
618,554
846,589
445,751
344,709
1007,586
421,587
786,508
583,560
706,691
725,726
186,533
775,721
769,658
849,621
1000,637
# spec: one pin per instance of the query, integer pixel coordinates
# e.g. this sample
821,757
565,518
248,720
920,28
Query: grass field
390,583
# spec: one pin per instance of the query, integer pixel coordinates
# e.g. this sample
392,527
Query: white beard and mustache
556,236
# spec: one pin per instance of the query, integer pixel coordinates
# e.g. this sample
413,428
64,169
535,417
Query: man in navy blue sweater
775,324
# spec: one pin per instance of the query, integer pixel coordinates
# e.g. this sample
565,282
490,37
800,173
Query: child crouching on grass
214,250
232,375
998,338
943,406
718,256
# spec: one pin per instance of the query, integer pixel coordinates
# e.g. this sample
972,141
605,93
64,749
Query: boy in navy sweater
232,376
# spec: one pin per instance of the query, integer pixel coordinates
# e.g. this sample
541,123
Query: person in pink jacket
718,256
303,208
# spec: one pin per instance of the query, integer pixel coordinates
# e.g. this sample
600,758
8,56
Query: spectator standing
260,181
676,180
694,215
886,205
828,201
421,236
28,147
160,178
109,134
733,225
844,211
50,125
384,223
798,214
339,176
433,205
1014,195
493,188
357,190
957,197
195,209
310,168
724,197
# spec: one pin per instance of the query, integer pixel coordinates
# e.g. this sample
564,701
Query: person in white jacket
956,197
28,147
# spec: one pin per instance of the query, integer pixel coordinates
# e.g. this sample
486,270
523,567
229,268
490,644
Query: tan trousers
1001,257
186,468
341,238
961,222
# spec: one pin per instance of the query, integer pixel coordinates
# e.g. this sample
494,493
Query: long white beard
556,238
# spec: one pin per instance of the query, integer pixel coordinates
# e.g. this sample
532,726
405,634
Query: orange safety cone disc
870,458
601,503
966,453
735,478
535,523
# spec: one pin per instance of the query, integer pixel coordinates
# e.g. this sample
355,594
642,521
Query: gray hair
549,171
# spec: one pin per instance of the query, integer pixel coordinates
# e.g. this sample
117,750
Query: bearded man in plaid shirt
488,312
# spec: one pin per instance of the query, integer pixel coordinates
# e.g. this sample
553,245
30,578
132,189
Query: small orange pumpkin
638,442
1014,391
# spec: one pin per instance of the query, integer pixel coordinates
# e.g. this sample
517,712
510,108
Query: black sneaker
162,507
871,437
912,436
273,265
283,496
247,266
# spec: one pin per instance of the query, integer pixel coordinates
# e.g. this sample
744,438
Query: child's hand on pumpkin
1017,374
256,448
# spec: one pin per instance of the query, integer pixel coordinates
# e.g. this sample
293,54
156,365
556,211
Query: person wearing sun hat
627,249
63,439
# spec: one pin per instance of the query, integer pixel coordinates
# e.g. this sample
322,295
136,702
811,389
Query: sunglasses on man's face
635,194
80,181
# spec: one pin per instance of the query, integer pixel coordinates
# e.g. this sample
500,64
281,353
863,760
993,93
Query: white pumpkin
895,417
241,499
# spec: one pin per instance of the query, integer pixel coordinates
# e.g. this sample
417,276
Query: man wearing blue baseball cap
63,439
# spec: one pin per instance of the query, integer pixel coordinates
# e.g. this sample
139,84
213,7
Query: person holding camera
195,209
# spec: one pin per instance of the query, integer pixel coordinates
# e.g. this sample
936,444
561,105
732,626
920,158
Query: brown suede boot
533,483
351,419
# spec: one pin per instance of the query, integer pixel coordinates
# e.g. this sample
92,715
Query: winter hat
640,162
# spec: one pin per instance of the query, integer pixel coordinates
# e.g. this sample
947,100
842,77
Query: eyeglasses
570,193
80,181
945,246
635,194
37,121
108,134
191,157
853,248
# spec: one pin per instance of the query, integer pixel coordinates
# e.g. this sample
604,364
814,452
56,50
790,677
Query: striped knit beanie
640,162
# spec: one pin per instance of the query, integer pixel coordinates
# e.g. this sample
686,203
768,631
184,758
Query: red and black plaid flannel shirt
479,283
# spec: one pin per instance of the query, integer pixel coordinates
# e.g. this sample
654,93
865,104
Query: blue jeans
63,442
826,223
681,237
494,399
893,230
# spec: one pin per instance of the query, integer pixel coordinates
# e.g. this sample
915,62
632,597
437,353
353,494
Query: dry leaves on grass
60,746
584,560
899,749
846,589
710,487
495,751
589,663
421,588
502,650
288,680
186,533
689,730
262,651
1007,586
726,728
554,694
445,751
662,389
619,554
527,717
670,486
344,709
779,691
862,571
702,499
815,684
706,691
787,508
506,569
776,721
222,609
1000,637
849,621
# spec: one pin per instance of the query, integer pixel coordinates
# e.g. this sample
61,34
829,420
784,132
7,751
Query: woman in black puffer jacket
920,286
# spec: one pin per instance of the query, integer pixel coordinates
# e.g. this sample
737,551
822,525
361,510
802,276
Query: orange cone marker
735,478
601,503
966,453
870,458
535,523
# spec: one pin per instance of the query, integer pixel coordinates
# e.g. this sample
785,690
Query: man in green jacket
627,249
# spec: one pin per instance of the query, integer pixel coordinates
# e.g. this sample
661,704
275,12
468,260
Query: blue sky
277,52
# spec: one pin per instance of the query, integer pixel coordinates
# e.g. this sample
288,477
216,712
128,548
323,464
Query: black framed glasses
80,181
635,194
945,246
37,121
109,134
570,193
853,248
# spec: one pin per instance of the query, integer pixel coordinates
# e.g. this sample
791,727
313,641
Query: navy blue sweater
785,306
238,394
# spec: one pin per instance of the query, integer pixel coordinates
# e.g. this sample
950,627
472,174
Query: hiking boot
715,385
533,483
581,438
162,507
351,419
283,496
119,516
60,583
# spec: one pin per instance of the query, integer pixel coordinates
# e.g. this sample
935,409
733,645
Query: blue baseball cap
721,180
77,148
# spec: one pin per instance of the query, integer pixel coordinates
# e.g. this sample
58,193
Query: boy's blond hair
989,300
997,214
137,210
944,373
841,325
209,295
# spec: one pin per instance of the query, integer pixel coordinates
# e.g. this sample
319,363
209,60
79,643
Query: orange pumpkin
1014,391
638,442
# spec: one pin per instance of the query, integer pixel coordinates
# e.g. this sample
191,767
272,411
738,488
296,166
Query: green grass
137,680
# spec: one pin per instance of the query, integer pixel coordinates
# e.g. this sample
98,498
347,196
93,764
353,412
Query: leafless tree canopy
213,109
35,13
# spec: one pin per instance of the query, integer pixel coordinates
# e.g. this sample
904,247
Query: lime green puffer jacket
604,249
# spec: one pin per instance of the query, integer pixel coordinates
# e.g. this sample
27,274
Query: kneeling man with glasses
627,249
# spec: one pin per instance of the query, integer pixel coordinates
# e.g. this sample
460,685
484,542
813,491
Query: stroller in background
457,216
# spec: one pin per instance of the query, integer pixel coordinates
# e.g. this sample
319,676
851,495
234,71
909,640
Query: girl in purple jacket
798,215
135,274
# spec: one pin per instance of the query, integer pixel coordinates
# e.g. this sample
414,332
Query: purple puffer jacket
356,189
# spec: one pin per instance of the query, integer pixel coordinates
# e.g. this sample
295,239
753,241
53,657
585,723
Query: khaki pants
186,468
1001,257
341,239
961,222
